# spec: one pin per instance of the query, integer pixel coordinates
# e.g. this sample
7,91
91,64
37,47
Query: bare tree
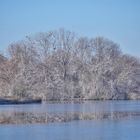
59,65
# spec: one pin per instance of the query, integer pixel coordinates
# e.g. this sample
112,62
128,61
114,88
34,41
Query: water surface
77,130
118,129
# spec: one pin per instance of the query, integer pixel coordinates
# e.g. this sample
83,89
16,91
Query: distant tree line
59,65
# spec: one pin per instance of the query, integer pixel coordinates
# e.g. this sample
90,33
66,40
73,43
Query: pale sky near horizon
118,20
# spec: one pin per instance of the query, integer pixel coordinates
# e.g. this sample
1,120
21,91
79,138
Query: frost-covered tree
59,65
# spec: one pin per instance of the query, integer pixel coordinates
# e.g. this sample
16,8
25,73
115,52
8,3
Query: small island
77,84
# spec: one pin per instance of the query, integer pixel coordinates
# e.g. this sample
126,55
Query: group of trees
59,65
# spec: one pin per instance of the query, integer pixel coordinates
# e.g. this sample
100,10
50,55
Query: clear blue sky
118,20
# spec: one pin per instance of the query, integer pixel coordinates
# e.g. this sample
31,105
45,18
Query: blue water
123,129
77,130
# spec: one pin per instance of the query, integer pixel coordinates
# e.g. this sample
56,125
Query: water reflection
109,120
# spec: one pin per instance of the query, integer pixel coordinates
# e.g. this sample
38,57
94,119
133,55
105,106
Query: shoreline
13,100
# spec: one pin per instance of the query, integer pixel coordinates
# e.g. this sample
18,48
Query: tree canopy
59,65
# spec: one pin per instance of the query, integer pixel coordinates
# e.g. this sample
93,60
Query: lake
120,129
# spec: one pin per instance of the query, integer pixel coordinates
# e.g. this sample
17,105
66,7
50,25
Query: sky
117,20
